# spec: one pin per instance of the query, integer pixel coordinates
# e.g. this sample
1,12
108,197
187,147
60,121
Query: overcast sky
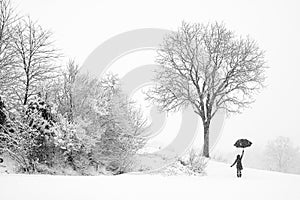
80,26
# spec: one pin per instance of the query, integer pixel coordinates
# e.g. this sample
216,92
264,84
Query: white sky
80,26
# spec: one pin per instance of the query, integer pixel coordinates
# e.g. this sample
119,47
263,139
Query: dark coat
238,162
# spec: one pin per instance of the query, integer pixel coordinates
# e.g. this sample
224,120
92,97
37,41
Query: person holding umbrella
241,143
239,166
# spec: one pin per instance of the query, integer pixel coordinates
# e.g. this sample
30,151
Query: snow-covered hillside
220,183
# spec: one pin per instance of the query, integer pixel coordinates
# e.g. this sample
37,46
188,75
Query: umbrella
242,143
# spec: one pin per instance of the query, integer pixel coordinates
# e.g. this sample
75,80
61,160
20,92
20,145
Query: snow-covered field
220,183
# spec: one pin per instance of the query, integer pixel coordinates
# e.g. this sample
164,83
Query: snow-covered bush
39,119
105,121
29,136
71,150
110,120
16,141
195,162
217,156
190,164
100,129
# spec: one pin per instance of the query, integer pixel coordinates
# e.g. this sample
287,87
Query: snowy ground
220,183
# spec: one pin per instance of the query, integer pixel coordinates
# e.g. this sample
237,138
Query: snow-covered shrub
175,169
28,136
17,142
71,149
103,133
41,122
195,162
110,121
190,164
219,157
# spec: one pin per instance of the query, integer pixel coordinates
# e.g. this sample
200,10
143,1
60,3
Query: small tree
281,155
62,91
209,68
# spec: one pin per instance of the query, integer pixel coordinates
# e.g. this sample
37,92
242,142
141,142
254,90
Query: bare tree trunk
71,116
26,93
206,140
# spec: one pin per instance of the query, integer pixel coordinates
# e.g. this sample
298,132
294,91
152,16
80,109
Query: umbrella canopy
242,143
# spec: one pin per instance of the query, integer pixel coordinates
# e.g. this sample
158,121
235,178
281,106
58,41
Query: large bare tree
209,68
35,56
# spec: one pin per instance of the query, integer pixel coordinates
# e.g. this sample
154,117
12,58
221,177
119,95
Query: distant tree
281,155
209,68
34,58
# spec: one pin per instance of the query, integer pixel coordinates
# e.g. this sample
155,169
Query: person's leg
238,173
